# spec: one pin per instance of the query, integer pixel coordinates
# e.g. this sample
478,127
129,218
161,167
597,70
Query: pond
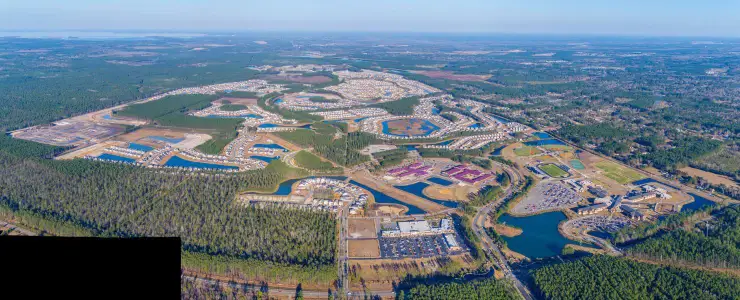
500,119
382,198
140,147
409,127
650,180
268,125
266,159
540,236
271,146
699,203
440,181
544,142
176,161
108,156
418,188
475,126
497,152
542,135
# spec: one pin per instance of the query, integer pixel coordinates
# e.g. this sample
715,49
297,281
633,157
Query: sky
600,17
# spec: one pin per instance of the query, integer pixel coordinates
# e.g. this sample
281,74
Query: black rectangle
86,267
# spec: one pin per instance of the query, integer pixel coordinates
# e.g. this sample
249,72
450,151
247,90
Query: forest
483,289
401,107
343,151
606,277
710,244
113,200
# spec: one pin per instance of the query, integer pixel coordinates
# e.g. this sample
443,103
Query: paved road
17,229
487,243
660,179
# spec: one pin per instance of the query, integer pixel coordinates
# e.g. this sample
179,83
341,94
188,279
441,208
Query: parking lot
416,247
546,196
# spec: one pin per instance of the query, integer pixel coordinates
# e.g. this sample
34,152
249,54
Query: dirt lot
365,178
452,76
453,193
388,210
362,228
242,101
711,177
143,133
381,273
367,248
507,231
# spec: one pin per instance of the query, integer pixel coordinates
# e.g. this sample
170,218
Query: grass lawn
553,170
527,151
310,161
232,107
619,173
558,147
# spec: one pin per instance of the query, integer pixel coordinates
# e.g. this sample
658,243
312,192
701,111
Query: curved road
487,243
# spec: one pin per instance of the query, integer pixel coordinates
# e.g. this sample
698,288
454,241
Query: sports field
527,151
553,171
577,164
619,173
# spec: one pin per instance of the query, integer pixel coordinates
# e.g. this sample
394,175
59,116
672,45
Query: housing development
358,171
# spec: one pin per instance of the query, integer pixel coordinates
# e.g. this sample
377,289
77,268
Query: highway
487,243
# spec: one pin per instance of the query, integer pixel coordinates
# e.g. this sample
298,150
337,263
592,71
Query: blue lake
166,139
500,119
440,181
271,146
540,236
417,189
278,101
107,117
266,159
360,119
383,198
542,135
650,180
544,142
176,161
435,110
140,147
268,125
108,156
699,202
475,126
411,147
425,127
497,152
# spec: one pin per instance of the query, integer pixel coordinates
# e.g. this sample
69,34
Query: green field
232,107
577,164
553,171
170,104
619,173
308,160
527,151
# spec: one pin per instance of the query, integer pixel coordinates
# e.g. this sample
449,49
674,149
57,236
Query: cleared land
527,151
367,248
553,171
618,173
381,274
711,177
362,228
308,160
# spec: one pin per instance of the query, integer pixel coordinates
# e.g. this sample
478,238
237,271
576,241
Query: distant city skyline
712,18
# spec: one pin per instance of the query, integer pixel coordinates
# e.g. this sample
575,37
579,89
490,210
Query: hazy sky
629,17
